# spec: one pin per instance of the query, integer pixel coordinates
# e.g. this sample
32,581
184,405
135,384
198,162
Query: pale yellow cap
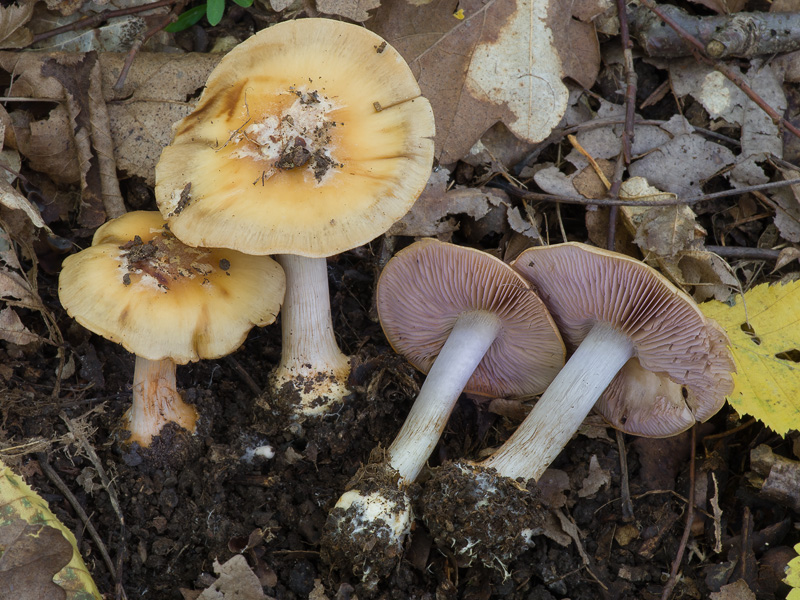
218,187
139,286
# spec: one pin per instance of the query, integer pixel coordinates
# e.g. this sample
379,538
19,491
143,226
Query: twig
137,45
744,34
745,253
91,22
240,371
735,78
76,506
526,195
676,564
624,487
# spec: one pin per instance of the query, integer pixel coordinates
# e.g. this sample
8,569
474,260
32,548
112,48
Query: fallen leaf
355,10
12,19
597,478
793,576
738,590
787,209
786,256
43,561
497,64
12,330
764,330
11,198
684,162
236,582
159,90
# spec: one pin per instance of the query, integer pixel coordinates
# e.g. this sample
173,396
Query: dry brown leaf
706,273
465,67
684,162
12,330
11,198
160,90
786,256
355,10
660,230
32,555
236,581
597,478
738,590
577,45
80,77
12,19
48,144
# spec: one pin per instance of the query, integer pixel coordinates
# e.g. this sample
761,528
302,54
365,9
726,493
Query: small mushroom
287,154
470,322
168,304
626,325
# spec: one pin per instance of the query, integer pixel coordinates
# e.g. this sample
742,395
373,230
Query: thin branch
518,192
743,253
94,20
54,477
137,45
735,78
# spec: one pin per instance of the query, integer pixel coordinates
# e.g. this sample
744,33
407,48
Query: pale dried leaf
661,230
787,208
527,225
596,479
355,10
12,19
786,256
12,330
738,590
48,144
707,273
14,287
236,582
681,164
11,198
464,67
553,181
760,136
116,35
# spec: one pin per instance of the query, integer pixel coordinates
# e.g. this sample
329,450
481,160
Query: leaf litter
501,77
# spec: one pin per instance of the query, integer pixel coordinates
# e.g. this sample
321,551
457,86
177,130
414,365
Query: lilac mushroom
628,327
473,324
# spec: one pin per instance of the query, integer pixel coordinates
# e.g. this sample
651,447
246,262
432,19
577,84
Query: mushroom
168,304
627,325
310,138
470,322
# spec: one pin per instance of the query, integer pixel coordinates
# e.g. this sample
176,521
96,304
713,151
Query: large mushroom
471,323
168,304
310,138
627,326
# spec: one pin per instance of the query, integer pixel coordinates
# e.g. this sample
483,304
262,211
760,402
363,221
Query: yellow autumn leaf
765,341
793,576
19,501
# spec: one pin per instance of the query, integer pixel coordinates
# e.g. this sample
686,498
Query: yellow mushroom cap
139,286
236,176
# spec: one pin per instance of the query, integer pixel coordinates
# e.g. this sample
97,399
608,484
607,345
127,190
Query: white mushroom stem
311,359
156,401
470,339
564,405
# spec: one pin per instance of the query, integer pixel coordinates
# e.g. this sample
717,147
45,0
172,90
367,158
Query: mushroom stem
472,335
562,408
156,401
311,361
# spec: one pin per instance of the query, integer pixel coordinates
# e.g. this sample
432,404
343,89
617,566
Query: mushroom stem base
563,406
312,375
156,402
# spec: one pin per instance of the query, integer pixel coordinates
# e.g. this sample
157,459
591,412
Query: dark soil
192,500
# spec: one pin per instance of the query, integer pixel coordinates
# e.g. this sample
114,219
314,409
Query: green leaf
214,11
244,3
187,19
